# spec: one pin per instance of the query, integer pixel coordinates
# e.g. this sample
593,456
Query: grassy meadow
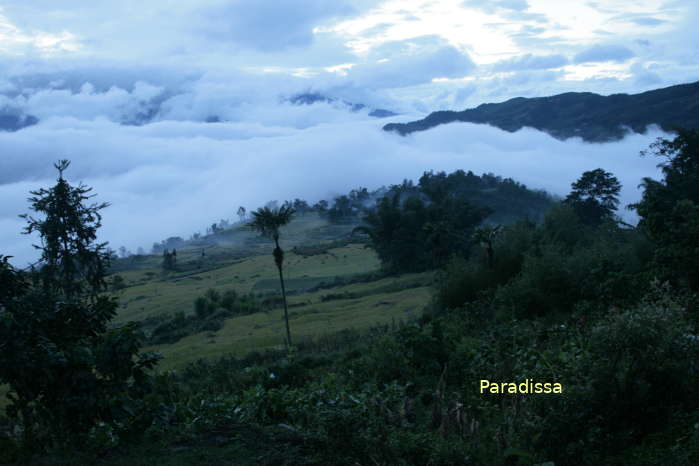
243,262
240,260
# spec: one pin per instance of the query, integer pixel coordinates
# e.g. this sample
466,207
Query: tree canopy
67,371
595,196
72,261
669,208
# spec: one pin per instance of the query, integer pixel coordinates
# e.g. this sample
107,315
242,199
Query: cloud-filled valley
176,115
177,174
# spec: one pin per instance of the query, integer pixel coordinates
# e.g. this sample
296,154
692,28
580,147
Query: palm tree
486,236
267,221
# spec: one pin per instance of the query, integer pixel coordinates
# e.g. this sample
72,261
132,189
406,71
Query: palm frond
267,221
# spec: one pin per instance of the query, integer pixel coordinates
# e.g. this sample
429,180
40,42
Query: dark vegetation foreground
571,296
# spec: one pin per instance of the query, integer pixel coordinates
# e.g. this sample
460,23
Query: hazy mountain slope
593,117
311,98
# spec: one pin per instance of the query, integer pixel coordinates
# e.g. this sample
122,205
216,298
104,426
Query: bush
229,300
554,278
202,307
638,368
463,282
548,282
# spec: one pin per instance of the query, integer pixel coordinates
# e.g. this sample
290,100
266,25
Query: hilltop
592,117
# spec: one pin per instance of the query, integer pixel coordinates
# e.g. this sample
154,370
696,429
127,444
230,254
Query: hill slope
592,117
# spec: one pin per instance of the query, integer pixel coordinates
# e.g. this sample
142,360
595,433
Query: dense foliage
419,227
607,310
67,372
210,312
669,209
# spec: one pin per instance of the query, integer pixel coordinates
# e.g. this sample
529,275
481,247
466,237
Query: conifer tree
73,263
66,369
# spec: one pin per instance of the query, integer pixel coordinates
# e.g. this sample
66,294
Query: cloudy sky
178,114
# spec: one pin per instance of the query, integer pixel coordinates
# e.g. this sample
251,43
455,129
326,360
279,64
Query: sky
178,114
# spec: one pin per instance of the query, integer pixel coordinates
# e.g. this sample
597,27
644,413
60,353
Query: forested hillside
455,319
592,117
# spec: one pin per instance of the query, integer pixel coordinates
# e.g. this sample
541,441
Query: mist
177,174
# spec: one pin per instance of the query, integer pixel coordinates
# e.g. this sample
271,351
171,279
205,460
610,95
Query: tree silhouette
669,209
66,368
73,263
595,196
485,236
267,221
169,260
411,234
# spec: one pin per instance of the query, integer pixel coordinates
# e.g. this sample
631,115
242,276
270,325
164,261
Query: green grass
174,292
309,320
243,261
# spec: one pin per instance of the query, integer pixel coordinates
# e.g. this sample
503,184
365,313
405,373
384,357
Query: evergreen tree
73,263
66,370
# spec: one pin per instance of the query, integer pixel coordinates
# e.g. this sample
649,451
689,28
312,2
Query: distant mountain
592,117
311,98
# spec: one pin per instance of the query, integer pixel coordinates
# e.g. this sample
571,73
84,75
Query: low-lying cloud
173,177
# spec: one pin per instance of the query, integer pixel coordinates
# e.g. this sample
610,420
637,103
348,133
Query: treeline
505,199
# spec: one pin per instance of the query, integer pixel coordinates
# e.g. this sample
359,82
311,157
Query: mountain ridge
310,98
593,117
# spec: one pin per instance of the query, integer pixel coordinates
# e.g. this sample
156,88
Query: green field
243,262
308,318
175,292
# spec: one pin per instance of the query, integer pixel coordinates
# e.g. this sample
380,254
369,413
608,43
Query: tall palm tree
267,221
486,236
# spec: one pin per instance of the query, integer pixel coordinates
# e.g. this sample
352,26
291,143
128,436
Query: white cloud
268,26
493,5
174,178
411,62
115,103
531,62
84,67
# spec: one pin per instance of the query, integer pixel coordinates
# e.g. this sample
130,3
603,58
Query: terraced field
241,261
317,253
357,306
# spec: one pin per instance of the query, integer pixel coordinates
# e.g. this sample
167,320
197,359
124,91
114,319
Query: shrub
638,367
229,300
202,307
462,282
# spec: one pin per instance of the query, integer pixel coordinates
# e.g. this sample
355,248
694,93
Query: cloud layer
172,177
125,90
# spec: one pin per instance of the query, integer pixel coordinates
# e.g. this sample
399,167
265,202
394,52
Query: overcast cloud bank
173,178
178,114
